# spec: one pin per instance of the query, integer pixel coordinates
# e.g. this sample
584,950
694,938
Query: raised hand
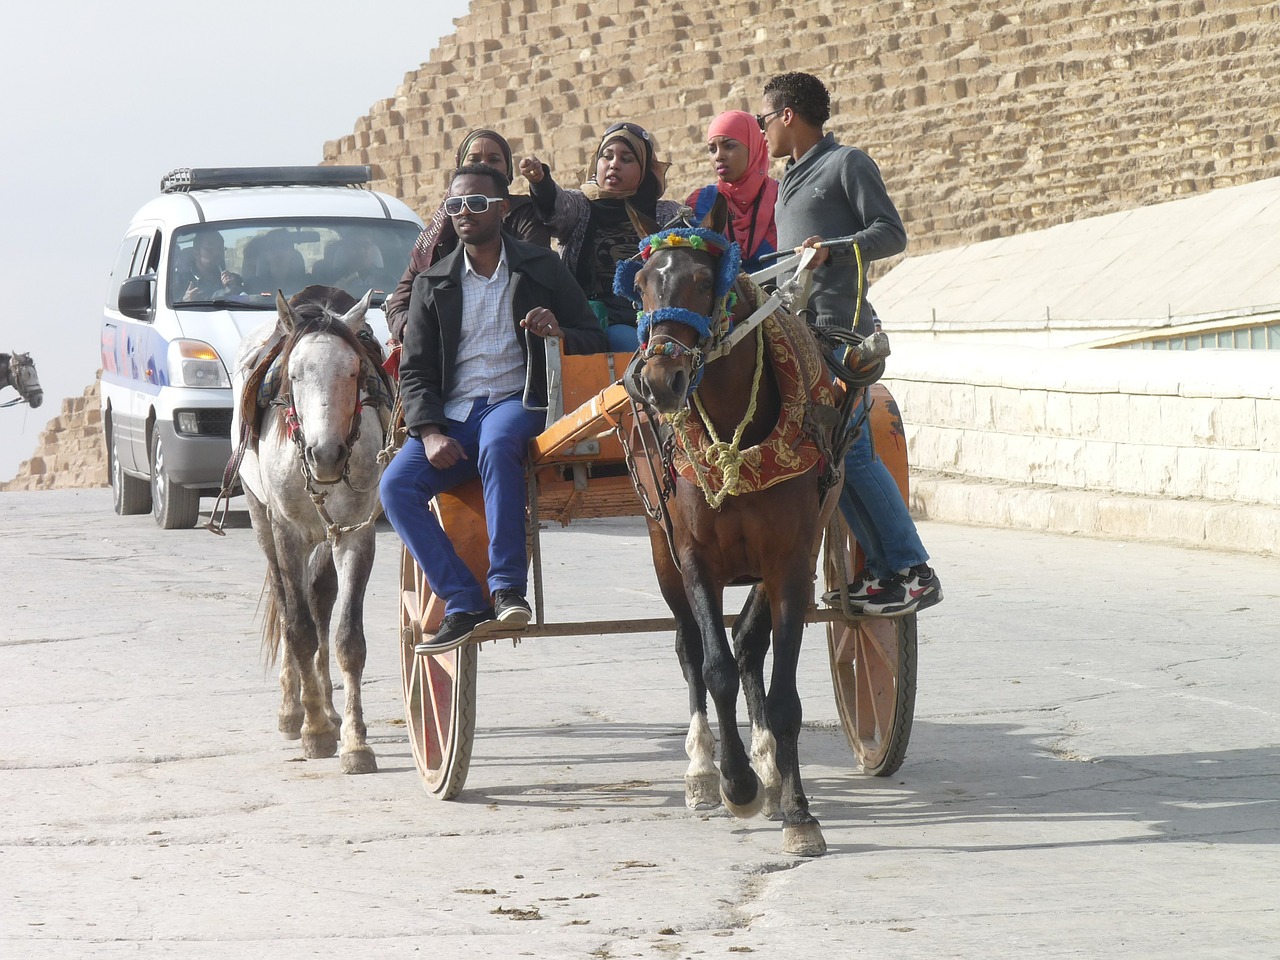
531,169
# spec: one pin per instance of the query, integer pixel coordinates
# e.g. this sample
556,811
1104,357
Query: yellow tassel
725,457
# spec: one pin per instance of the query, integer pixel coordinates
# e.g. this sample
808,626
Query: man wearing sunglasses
830,190
474,347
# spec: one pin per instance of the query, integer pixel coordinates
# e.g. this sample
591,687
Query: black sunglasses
638,130
763,121
474,202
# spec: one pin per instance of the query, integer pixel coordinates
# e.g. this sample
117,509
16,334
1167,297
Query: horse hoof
804,840
749,808
290,727
359,761
702,792
318,746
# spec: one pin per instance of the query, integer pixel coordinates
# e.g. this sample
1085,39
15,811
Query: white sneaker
861,589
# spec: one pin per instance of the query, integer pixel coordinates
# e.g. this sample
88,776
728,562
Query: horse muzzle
36,398
666,384
327,461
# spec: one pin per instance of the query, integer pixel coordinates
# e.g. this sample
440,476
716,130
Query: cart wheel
439,691
873,668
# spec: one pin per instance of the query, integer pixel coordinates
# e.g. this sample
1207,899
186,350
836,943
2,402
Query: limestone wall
70,452
986,118
1159,446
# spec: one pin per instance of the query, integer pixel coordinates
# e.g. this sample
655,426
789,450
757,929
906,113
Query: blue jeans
875,511
496,440
622,338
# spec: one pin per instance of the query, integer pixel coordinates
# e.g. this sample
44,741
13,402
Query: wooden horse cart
577,470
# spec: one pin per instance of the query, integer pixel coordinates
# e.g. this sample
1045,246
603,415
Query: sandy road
1094,769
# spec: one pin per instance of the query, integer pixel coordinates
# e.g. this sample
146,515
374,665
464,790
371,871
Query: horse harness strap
780,298
217,521
251,403
664,480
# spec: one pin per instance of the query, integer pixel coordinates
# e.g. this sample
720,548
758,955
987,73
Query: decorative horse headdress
696,238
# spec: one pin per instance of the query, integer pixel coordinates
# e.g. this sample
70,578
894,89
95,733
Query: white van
198,269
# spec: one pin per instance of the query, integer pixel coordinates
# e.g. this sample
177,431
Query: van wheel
129,495
173,506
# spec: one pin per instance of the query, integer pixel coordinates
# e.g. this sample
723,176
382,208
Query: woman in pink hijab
741,159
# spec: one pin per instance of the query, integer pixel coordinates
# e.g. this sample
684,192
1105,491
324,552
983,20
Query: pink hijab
755,192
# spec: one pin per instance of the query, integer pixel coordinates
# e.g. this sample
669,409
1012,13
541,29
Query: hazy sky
98,101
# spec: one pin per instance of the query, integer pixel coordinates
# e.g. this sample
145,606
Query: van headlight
193,363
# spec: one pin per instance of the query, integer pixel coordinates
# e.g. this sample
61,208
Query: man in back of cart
474,349
830,190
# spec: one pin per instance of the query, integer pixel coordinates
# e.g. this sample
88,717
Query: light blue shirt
490,364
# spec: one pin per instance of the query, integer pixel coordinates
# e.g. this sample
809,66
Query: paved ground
1093,772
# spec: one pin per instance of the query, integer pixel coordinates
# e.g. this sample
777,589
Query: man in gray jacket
829,190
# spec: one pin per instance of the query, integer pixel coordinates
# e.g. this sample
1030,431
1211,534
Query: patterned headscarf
643,145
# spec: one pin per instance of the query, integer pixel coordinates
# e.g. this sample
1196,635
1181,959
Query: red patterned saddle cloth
790,449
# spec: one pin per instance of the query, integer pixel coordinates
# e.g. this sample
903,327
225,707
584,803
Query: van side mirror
135,300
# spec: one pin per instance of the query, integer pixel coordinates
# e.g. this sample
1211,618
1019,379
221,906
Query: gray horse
315,400
18,370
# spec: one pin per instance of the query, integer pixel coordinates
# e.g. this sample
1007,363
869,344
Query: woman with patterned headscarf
740,156
592,225
439,238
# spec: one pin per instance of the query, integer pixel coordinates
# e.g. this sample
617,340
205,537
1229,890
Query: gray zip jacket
837,191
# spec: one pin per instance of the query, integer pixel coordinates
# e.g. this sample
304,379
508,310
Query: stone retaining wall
1177,447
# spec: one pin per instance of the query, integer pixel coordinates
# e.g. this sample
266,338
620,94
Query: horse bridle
19,364
710,328
718,334
293,430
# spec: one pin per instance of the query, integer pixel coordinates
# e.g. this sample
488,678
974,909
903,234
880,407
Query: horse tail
270,625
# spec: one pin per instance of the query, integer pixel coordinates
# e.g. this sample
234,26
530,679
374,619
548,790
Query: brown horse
723,530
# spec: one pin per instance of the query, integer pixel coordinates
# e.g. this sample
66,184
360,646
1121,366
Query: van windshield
244,263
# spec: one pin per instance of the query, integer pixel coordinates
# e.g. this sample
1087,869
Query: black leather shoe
455,630
511,608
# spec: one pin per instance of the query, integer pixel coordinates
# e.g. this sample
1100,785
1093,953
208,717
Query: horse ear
286,319
644,226
717,217
354,318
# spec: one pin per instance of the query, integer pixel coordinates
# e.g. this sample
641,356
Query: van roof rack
186,179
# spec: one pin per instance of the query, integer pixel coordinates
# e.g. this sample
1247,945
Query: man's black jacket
538,279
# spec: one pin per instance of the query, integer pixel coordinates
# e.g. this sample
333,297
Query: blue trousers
875,511
496,440
623,338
